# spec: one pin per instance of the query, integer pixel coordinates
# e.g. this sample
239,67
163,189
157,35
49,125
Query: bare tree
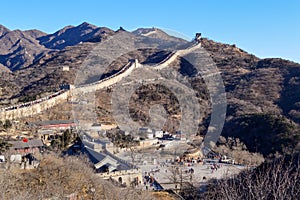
133,154
237,150
57,178
279,179
178,177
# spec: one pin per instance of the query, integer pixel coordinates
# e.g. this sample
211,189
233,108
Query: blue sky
266,28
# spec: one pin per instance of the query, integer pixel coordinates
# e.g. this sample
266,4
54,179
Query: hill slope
256,88
19,49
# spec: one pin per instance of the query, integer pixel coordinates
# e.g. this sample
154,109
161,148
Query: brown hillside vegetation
59,178
253,86
279,179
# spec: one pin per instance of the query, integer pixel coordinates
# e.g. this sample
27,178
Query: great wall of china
43,104
125,177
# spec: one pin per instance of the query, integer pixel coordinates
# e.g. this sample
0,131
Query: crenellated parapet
43,104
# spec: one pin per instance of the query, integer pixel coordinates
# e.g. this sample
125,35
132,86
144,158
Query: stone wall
106,82
36,108
180,53
124,176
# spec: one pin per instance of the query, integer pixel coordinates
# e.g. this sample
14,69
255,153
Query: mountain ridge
37,42
253,86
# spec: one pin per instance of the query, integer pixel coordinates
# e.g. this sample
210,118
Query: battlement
40,105
124,177
120,173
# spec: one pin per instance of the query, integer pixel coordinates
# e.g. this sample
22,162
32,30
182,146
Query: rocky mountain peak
70,36
85,25
141,31
29,45
3,30
34,33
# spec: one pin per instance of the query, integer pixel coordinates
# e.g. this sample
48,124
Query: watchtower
198,37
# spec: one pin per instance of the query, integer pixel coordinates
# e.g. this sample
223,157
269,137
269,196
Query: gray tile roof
45,132
53,122
94,156
96,124
29,144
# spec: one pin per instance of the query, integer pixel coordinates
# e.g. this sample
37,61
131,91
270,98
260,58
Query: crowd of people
189,160
215,167
150,182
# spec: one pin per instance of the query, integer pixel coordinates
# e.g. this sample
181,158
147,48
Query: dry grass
57,178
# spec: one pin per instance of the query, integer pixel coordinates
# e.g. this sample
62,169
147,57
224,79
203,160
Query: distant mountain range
26,57
19,49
